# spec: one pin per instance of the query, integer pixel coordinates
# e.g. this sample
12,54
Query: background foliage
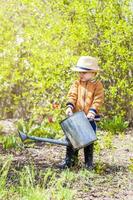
41,40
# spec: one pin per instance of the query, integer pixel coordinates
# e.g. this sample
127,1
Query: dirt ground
114,180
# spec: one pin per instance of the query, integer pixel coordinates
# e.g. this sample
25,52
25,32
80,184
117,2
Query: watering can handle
90,120
95,120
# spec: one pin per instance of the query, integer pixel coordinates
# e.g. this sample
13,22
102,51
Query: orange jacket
87,96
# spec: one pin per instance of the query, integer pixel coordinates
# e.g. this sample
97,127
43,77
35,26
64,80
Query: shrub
42,40
115,125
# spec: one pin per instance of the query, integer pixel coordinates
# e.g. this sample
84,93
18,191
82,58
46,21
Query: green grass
33,186
29,183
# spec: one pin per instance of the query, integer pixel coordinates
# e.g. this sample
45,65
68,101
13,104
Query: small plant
49,178
27,177
97,147
10,142
67,178
100,168
108,140
25,126
4,172
115,125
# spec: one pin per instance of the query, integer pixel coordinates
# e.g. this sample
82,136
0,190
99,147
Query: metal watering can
77,129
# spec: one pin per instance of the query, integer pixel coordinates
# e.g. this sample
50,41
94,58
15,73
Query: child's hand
69,111
91,116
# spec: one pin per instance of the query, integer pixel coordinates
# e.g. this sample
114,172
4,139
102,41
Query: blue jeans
93,124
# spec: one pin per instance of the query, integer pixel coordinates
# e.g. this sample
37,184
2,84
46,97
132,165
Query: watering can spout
23,136
63,142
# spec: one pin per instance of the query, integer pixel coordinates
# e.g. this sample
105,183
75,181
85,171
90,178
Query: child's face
85,76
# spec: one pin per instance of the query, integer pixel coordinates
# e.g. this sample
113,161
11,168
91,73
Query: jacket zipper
85,94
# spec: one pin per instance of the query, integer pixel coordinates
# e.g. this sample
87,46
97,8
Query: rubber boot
71,158
88,151
88,154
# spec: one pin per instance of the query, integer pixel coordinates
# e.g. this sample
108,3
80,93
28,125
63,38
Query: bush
42,40
115,125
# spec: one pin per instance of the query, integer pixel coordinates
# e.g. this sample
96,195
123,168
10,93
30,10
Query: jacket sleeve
98,98
72,95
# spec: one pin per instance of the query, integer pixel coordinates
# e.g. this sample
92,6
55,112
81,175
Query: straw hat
87,64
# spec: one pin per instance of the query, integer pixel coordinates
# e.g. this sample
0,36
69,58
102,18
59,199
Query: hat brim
76,69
